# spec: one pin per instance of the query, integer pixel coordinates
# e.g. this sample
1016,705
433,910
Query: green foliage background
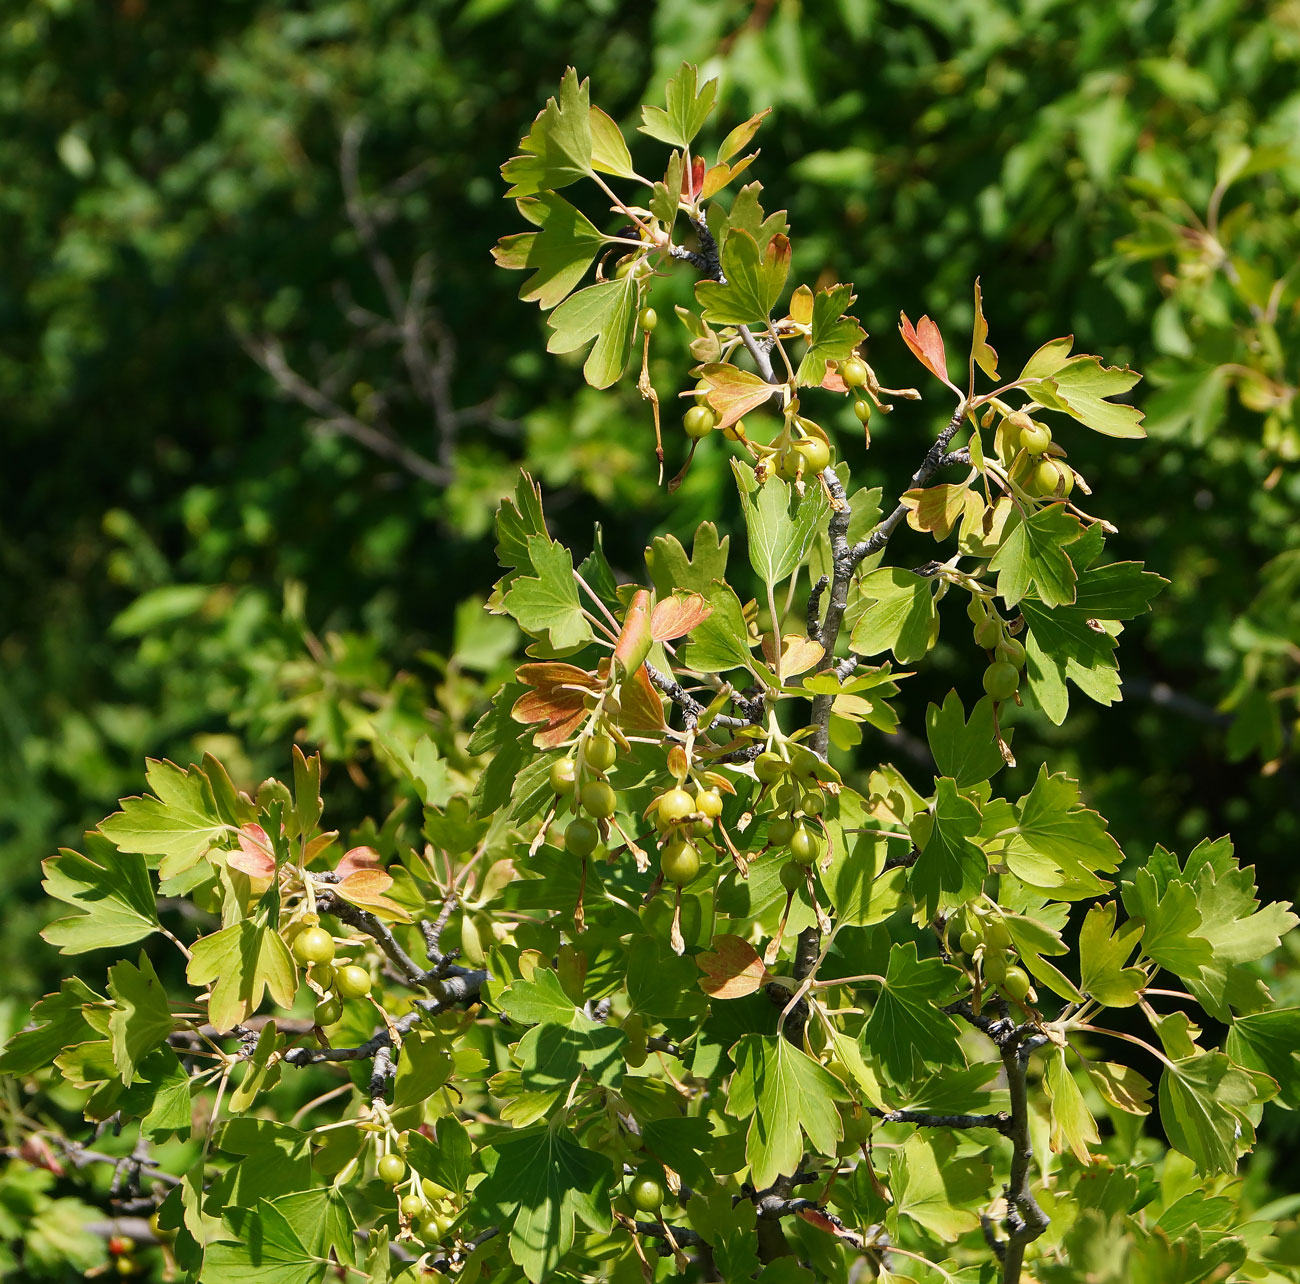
188,563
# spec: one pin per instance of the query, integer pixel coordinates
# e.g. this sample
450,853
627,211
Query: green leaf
671,569
688,107
907,1028
1073,1127
448,1161
950,866
181,824
936,1188
1058,844
141,1019
424,1066
547,605
241,962
1082,386
60,1023
834,336
660,983
1033,553
605,312
1268,1042
160,1097
289,1240
789,1096
609,153
1206,1104
746,214
728,1228
518,520
754,281
557,150
1167,908
721,642
564,1039
542,1179
900,615
1103,953
558,256
780,522
110,888
966,751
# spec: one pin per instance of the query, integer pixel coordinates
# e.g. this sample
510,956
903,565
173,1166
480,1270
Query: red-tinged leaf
37,1151
359,858
926,344
938,509
832,381
367,887
733,392
741,136
255,855
557,702
676,616
831,1225
641,704
981,354
634,639
733,970
798,653
693,183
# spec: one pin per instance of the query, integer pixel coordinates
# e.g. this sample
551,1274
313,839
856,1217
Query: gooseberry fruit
988,633
708,802
862,408
313,945
779,831
1016,984
599,799
699,421
648,319
969,942
673,807
391,1169
1036,438
647,1192
1001,680
816,454
1012,651
792,876
803,845
853,372
680,861
600,753
562,775
352,981
582,837
412,1206
328,1011
769,766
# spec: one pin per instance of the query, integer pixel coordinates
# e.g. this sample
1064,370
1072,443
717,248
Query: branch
329,903
1000,1122
691,707
1025,1220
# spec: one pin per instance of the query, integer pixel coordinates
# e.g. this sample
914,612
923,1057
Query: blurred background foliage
261,386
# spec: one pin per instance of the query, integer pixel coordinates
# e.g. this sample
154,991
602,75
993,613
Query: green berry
1049,476
562,775
648,319
699,421
680,861
789,464
708,802
1011,651
599,799
391,1169
988,633
792,876
1036,438
412,1206
432,1191
816,454
995,964
600,753
803,845
1001,680
997,936
647,1192
969,942
313,945
328,1011
673,807
582,837
862,408
1016,984
352,981
769,767
779,831
853,372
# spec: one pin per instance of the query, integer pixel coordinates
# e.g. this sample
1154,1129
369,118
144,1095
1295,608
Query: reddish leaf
693,183
367,887
38,1152
981,354
733,970
634,640
557,702
676,616
733,393
359,858
926,343
831,1225
643,709
254,856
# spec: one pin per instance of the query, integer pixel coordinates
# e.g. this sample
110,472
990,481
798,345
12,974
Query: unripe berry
699,421
988,633
562,775
769,767
673,807
600,753
352,981
391,1169
803,845
853,372
1001,680
599,799
1016,984
648,319
680,861
313,945
1012,651
862,408
816,454
708,802
1036,438
792,876
647,1192
582,837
